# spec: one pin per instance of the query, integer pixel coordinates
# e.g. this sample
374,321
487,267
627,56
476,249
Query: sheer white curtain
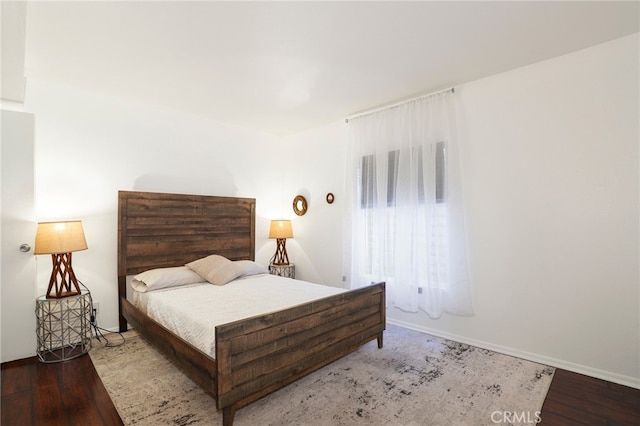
407,224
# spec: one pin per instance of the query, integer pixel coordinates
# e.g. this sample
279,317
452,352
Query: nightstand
288,271
63,327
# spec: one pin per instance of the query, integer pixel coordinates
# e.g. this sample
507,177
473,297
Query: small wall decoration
299,205
330,198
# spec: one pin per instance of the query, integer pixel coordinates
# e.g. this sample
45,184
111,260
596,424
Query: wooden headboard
157,230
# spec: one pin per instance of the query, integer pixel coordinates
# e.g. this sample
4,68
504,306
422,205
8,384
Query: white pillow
250,267
155,279
216,269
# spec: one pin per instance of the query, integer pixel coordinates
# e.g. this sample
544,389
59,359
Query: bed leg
228,413
380,340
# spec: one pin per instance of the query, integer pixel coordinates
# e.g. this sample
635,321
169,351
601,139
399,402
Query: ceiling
284,67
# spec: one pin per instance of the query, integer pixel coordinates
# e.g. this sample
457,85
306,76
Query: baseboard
633,382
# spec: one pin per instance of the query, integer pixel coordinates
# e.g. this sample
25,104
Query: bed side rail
197,365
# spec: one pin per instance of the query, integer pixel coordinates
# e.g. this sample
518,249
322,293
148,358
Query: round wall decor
330,198
299,205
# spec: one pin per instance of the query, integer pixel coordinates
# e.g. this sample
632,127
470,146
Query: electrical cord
273,258
98,331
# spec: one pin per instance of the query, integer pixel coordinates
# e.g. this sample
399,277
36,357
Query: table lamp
281,230
60,239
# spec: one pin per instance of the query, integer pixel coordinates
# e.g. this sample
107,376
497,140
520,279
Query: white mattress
193,311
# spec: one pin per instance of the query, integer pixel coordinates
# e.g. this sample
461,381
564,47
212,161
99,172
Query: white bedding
193,311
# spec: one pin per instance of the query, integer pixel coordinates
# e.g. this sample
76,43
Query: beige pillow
155,279
250,267
216,269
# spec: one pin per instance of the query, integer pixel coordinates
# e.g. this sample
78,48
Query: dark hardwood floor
67,393
71,393
575,399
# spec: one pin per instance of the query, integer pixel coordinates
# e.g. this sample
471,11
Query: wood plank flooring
575,399
68,393
71,393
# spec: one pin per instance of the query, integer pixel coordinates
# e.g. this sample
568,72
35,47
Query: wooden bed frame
254,356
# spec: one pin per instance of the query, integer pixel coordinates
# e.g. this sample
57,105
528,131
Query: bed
254,356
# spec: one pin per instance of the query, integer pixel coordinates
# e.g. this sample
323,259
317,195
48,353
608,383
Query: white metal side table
288,271
63,327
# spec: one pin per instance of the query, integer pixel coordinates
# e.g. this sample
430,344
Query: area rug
416,379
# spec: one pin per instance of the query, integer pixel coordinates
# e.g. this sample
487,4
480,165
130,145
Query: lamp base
281,258
62,269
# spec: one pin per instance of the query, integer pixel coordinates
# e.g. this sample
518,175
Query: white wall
552,179
550,165
88,147
316,167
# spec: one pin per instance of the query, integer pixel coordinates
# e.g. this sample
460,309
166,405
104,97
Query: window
368,194
441,172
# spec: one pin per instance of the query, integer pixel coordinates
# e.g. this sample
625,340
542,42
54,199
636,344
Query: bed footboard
259,355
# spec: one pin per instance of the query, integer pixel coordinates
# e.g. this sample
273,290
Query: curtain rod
362,114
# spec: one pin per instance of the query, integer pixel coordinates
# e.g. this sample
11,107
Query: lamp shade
280,229
60,237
